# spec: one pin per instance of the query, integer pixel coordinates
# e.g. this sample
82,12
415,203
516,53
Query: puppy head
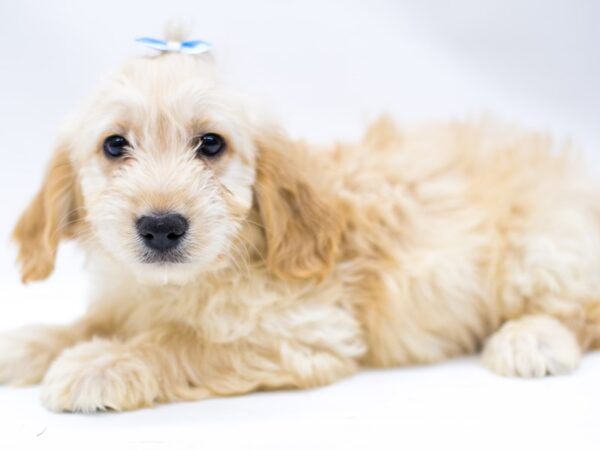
160,172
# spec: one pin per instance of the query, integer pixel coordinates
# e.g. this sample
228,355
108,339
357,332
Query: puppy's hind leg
548,287
532,346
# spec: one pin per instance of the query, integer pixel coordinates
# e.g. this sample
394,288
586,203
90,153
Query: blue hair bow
194,47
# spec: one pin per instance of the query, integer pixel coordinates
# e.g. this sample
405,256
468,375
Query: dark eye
115,146
210,145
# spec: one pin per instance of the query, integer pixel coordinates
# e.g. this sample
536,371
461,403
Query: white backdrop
326,67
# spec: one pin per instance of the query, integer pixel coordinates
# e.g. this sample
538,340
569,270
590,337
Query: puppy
228,258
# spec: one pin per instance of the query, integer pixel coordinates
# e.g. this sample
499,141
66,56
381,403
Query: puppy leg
242,368
110,374
532,346
26,354
309,346
171,364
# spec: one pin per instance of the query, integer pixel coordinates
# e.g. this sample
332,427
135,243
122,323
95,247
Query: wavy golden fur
302,264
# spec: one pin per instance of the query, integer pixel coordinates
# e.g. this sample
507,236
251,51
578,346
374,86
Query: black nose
162,232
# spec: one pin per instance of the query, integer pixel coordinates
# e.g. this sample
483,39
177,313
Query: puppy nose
162,232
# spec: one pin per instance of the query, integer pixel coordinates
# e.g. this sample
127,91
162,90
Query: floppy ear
302,220
52,215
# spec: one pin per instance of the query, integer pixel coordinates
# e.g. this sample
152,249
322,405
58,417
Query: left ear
53,214
302,218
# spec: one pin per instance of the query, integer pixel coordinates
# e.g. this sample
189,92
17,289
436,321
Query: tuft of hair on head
177,30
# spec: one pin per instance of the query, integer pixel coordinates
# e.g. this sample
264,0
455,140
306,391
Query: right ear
303,223
55,213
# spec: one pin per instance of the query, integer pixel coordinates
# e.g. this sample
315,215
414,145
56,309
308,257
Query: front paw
97,376
26,354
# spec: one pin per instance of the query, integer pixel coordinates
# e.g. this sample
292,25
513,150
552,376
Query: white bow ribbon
194,47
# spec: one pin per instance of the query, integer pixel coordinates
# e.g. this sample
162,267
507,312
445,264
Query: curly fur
302,263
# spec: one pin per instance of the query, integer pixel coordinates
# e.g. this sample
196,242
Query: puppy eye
210,145
115,146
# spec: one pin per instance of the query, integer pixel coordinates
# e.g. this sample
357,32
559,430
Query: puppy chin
177,273
163,274
136,264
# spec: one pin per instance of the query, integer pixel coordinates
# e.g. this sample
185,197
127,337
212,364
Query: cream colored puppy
228,258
